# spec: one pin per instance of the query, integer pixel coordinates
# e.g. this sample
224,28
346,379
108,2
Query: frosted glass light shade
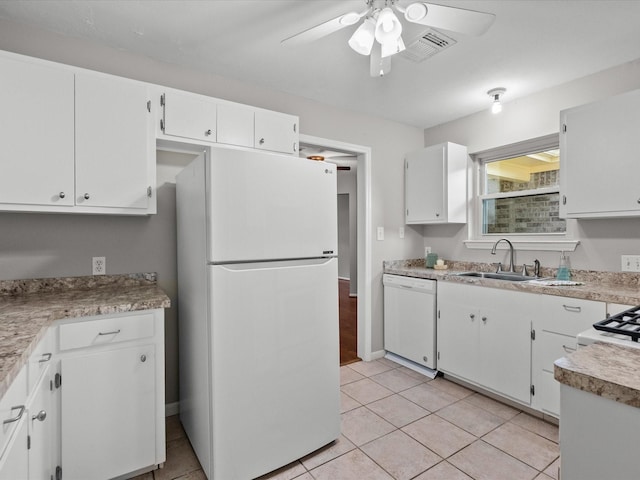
362,39
388,27
392,47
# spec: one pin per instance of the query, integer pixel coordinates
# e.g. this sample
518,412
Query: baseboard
171,409
378,354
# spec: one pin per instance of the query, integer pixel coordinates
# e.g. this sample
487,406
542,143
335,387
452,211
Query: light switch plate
401,232
380,234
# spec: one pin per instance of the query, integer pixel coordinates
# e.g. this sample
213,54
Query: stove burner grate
623,323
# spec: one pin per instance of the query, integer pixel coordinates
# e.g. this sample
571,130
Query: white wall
601,241
48,245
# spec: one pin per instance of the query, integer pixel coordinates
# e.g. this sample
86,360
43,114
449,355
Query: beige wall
36,245
601,241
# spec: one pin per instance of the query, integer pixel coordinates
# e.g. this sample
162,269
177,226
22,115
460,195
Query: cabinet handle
569,308
261,142
61,195
40,416
484,319
638,200
17,417
437,214
472,316
45,357
86,196
143,358
568,349
207,133
115,332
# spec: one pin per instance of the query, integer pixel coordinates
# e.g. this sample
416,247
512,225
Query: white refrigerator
258,309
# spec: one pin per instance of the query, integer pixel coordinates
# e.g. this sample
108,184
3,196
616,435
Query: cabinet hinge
564,128
533,390
438,355
162,100
149,106
58,380
564,199
295,126
162,104
438,313
533,334
149,191
58,472
407,212
28,442
295,147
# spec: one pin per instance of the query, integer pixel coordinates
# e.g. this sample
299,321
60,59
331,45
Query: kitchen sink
510,277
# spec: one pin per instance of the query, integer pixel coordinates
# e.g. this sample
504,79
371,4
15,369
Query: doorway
353,161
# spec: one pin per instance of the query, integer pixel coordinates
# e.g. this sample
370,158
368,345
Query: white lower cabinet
89,403
111,394
484,337
557,322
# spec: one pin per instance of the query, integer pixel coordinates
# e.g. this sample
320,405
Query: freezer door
275,358
270,206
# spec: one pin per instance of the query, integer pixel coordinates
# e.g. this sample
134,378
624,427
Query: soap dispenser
563,268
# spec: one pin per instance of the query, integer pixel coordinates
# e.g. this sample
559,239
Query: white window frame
566,241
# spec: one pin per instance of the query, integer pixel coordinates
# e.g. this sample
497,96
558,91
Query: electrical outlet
630,263
427,250
99,265
380,233
401,232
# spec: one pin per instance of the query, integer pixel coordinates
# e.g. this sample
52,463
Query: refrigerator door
275,362
265,206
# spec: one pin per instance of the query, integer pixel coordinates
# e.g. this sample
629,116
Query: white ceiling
532,45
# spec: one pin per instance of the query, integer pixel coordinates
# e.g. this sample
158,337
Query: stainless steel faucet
493,252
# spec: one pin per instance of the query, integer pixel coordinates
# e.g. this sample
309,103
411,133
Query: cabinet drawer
16,397
90,333
568,316
554,346
39,360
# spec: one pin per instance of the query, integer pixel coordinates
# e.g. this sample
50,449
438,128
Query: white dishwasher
410,318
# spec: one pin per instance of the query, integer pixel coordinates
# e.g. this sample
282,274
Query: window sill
538,245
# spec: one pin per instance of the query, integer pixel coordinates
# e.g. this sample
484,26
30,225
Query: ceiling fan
380,34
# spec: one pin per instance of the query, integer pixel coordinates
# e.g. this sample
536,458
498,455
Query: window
520,195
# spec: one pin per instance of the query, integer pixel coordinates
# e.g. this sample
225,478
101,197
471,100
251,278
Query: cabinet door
458,330
114,147
425,185
505,345
36,137
190,116
108,412
235,124
41,427
276,132
599,158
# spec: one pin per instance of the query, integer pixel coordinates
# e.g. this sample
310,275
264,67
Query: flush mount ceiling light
496,94
380,34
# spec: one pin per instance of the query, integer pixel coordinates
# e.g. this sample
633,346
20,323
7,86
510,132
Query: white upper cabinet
436,185
36,135
115,151
189,115
74,141
599,156
276,132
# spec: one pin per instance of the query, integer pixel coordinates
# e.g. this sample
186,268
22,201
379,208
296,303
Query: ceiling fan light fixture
362,39
388,27
415,12
496,94
393,47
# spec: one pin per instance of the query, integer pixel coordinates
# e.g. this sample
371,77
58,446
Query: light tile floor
398,424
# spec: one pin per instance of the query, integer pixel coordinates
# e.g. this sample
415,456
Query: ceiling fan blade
454,19
324,29
379,66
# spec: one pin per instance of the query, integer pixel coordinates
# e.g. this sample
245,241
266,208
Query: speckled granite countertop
612,287
28,307
604,369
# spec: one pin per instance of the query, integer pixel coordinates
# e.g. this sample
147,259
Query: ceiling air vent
427,45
